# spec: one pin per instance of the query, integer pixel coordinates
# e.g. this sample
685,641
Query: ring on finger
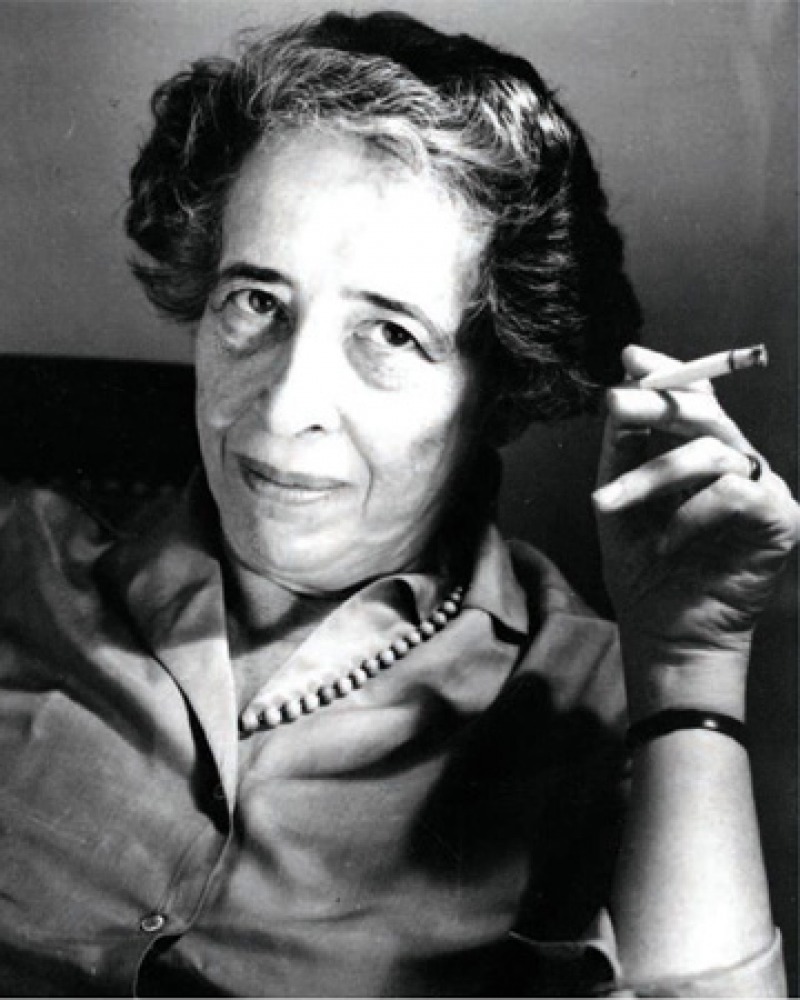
756,467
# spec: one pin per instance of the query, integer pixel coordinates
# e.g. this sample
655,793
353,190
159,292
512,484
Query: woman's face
333,405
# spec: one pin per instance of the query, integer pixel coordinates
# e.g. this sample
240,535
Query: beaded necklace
294,708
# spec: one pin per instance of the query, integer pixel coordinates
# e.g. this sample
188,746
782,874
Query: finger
623,449
687,467
766,508
640,361
680,413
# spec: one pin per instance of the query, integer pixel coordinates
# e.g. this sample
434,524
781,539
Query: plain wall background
691,108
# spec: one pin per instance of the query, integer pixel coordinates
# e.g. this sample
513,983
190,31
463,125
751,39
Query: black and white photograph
398,518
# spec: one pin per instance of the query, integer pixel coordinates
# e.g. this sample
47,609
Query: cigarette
711,366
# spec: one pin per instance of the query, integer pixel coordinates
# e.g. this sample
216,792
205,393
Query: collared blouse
446,828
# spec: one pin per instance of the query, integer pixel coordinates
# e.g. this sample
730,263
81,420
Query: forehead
326,205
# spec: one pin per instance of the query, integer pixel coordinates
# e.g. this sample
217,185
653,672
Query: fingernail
607,497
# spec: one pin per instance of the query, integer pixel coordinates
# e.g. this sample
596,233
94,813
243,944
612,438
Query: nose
301,379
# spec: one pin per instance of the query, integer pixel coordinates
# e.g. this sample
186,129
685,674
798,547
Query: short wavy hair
553,307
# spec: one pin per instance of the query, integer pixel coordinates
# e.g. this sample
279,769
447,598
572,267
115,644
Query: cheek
208,377
222,392
420,450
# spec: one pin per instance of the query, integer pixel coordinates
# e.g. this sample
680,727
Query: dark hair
553,308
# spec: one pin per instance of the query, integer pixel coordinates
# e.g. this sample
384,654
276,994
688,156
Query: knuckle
715,452
716,456
735,491
664,464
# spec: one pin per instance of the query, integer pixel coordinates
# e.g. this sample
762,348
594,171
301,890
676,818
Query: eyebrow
252,272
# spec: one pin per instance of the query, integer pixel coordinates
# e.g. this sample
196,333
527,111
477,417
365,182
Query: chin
302,568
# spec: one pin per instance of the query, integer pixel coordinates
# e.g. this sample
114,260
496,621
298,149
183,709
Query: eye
254,301
248,318
387,334
395,336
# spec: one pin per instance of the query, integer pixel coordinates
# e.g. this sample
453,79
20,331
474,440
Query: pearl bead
271,717
387,658
311,703
292,710
327,694
250,721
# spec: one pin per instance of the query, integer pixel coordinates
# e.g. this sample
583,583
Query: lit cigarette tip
751,357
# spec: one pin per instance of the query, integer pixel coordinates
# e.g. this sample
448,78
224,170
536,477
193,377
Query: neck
263,609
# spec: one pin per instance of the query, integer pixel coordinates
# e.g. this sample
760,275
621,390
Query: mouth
286,485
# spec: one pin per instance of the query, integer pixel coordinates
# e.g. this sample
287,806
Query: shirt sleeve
759,975
590,967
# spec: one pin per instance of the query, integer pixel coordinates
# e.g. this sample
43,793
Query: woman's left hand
693,543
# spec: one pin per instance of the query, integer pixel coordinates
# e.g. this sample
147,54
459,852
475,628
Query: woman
320,731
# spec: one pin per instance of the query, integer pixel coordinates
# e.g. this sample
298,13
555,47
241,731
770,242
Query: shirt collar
494,587
170,578
169,581
182,546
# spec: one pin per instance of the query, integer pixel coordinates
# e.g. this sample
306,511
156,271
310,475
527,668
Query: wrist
661,678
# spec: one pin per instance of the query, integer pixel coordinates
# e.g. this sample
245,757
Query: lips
285,483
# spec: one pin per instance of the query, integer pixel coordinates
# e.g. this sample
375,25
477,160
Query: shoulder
43,527
51,608
49,552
